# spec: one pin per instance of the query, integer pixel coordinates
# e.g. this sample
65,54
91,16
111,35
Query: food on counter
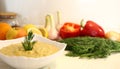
91,47
16,32
35,30
70,30
4,27
11,34
115,36
92,41
44,32
59,24
92,29
21,32
89,40
51,27
89,29
40,31
27,26
29,48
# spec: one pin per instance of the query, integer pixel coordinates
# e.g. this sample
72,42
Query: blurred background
104,12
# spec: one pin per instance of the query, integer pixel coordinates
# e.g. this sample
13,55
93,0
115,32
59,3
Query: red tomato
92,29
70,30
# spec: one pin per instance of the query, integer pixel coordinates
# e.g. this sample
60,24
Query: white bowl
21,62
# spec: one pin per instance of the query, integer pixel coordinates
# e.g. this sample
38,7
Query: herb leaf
28,43
91,47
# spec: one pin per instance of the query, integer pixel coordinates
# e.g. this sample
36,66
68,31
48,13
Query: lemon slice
44,32
35,30
27,26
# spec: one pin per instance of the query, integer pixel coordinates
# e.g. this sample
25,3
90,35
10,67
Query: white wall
32,10
104,12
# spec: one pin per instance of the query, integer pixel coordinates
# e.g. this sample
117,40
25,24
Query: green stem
81,23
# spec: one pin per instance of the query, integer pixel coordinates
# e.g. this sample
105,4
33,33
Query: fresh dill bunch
28,43
91,47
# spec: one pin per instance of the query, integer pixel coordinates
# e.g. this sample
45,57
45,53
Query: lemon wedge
40,31
44,32
35,30
27,26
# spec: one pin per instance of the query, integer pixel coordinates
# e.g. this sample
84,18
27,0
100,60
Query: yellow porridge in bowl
40,49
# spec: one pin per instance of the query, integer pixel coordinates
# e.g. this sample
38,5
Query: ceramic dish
21,62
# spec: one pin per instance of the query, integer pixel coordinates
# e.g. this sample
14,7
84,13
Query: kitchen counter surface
65,62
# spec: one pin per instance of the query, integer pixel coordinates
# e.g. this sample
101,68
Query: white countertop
65,62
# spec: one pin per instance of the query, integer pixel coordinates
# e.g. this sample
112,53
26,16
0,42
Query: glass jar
9,17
